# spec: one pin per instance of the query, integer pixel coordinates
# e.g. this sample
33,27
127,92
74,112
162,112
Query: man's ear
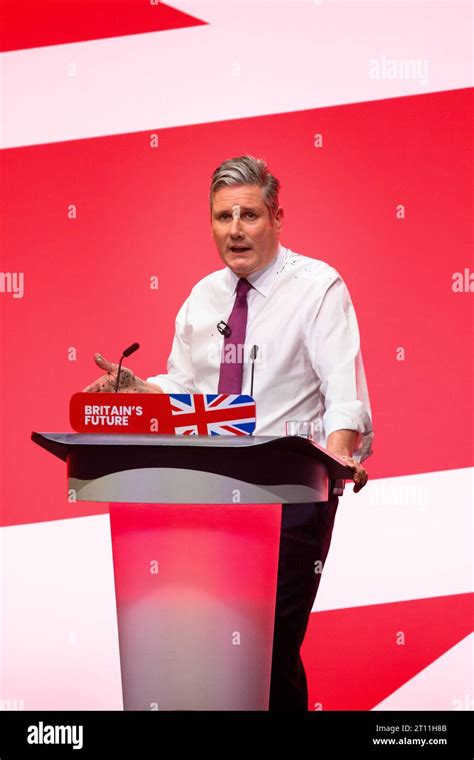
279,218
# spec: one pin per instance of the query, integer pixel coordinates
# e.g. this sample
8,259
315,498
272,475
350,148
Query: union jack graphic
212,414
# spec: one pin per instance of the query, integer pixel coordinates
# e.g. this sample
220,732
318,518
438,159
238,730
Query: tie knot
243,287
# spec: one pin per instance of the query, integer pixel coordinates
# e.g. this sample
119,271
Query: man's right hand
129,383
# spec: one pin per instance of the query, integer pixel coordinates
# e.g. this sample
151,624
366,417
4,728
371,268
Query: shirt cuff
167,385
359,421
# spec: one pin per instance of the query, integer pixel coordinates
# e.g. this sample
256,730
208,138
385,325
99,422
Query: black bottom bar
147,734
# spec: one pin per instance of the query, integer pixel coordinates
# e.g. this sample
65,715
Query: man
299,313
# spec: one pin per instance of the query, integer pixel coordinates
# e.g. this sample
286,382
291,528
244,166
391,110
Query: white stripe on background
399,539
446,684
252,59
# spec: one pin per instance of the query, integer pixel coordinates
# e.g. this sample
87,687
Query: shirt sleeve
179,376
333,343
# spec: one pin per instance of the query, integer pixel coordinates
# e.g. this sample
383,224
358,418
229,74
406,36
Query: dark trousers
306,531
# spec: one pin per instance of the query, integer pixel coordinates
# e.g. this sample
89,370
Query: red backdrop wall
143,211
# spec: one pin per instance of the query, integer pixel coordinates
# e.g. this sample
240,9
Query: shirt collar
262,280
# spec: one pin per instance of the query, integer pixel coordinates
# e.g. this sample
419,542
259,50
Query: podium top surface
154,439
60,444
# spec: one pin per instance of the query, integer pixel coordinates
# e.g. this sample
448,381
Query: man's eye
248,214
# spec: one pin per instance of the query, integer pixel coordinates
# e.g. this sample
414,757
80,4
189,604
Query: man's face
245,235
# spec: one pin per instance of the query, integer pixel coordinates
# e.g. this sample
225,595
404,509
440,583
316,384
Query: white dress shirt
309,364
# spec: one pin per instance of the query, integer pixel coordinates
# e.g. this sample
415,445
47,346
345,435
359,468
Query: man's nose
235,229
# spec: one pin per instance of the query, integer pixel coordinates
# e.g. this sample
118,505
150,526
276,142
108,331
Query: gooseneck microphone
130,350
253,356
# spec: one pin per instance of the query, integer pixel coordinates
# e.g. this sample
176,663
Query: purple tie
230,377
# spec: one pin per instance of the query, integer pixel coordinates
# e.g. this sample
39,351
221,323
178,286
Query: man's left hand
360,475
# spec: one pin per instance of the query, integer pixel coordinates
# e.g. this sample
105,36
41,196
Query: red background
144,212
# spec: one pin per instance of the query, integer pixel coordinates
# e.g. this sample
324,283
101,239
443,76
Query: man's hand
342,443
360,476
129,383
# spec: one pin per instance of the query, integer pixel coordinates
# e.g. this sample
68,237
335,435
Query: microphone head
224,329
131,349
253,353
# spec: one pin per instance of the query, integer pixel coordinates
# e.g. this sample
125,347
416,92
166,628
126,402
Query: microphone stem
118,374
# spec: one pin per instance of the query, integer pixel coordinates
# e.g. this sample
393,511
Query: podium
195,526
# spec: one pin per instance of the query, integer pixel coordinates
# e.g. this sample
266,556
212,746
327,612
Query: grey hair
247,170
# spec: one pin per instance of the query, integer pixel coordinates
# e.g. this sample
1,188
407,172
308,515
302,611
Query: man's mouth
239,249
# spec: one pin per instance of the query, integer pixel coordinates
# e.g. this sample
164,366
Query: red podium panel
195,590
